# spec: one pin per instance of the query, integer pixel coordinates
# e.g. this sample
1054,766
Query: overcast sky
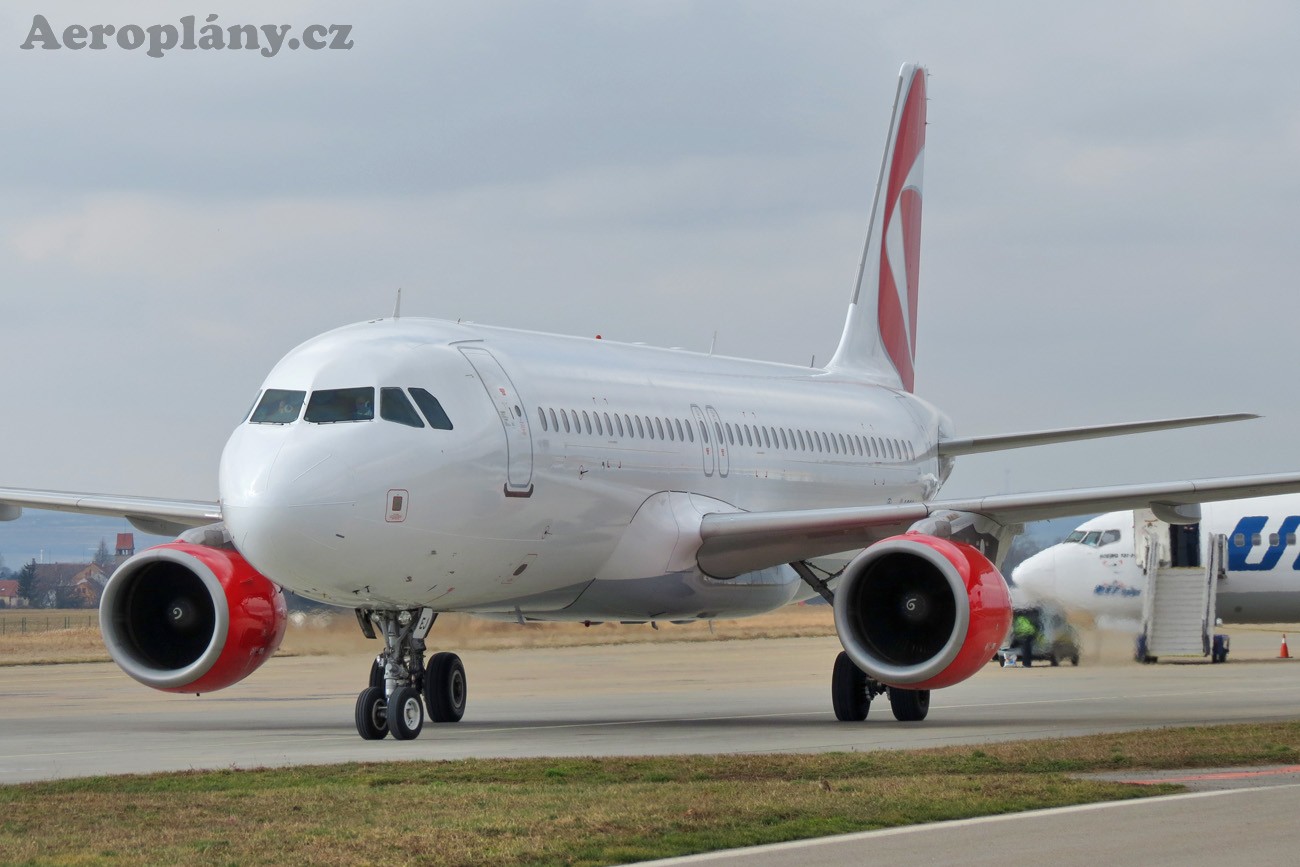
1111,203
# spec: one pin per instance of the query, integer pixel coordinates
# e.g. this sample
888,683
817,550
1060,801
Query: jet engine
920,612
190,618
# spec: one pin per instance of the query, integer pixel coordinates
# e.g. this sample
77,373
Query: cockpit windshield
1094,538
341,404
394,406
278,406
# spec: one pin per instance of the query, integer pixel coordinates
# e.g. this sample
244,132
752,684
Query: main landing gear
852,691
401,687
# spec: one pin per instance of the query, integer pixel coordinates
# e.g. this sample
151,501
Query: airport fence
25,623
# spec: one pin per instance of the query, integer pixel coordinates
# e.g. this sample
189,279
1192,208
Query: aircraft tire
446,689
372,714
909,705
849,694
405,713
377,673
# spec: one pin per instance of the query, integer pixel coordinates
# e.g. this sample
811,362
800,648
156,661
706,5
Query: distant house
9,594
68,585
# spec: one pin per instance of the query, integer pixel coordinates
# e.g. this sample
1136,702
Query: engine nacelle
190,618
921,612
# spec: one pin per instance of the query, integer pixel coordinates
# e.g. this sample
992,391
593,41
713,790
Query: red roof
125,540
8,588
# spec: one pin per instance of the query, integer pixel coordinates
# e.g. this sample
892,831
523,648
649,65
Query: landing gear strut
400,686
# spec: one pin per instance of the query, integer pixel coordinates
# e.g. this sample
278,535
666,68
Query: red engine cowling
921,612
189,618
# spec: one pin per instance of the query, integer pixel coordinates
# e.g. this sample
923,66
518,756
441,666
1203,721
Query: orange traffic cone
1284,653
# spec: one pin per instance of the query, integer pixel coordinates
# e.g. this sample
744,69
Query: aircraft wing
146,514
739,542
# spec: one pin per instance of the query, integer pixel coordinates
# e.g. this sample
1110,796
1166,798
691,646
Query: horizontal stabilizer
1000,442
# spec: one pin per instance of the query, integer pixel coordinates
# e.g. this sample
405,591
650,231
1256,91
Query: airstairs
1178,609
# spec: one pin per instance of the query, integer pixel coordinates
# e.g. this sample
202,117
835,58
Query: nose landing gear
401,688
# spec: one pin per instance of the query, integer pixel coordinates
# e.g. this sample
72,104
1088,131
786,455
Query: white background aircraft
402,467
1099,570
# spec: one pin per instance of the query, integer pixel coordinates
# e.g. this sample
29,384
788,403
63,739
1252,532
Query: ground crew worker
1024,631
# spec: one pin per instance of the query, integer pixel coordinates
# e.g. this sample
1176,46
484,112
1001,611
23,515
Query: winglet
879,336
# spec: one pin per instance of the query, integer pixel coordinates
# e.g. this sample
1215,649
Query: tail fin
880,333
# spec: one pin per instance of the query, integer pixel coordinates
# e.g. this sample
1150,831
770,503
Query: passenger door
514,419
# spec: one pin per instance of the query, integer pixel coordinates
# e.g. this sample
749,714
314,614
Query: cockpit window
395,406
1109,536
1091,538
341,404
278,406
432,410
1076,536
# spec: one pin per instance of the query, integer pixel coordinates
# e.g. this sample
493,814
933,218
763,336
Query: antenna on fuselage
397,308
713,345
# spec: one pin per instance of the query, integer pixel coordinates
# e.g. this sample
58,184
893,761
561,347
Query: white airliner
1098,569
404,467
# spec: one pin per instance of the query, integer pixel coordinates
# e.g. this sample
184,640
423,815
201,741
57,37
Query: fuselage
1099,569
515,493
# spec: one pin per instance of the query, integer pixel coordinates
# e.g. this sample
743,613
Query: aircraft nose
288,505
1036,577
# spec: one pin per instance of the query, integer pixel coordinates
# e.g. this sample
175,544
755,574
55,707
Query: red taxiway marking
1227,775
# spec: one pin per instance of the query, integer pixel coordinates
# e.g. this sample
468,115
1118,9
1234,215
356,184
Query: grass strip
582,811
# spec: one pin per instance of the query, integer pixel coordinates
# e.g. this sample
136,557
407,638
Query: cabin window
541,416
333,405
844,449
690,431
394,406
586,421
278,406
627,418
889,449
1290,538
767,439
1254,539
600,429
577,425
802,446
640,429
1239,540
681,434
564,417
619,421
672,434
659,427
730,437
785,443
1272,540
704,432
609,425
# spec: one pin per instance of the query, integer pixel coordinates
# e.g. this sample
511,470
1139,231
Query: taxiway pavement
708,697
